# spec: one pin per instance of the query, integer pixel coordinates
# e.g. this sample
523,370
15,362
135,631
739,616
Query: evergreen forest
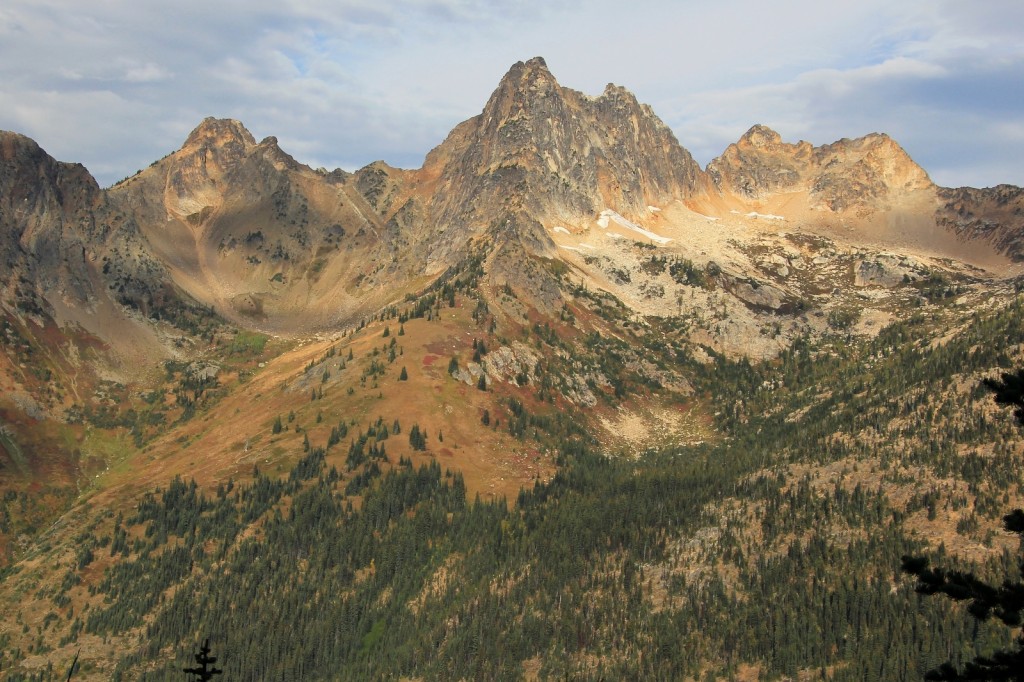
772,552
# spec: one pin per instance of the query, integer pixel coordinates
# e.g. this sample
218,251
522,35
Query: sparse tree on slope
1005,602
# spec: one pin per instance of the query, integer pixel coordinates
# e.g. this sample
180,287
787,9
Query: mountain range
559,286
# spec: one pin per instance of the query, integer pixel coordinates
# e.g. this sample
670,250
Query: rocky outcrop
554,153
866,172
49,220
42,199
995,214
760,164
887,270
244,228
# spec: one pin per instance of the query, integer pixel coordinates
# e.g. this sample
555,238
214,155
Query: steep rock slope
70,257
538,154
262,239
556,153
865,190
47,213
865,172
994,214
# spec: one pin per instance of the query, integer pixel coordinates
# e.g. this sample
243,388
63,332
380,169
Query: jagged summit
242,226
868,172
559,288
561,154
218,132
760,137
531,73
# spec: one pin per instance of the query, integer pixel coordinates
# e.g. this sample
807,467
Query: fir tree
204,671
1005,602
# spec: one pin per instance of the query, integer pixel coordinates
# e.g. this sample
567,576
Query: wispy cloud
118,84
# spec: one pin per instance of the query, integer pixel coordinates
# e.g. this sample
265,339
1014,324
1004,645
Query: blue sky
116,85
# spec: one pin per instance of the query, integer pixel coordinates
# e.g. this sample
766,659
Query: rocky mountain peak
531,75
33,183
760,137
521,91
866,172
214,149
877,163
557,154
220,132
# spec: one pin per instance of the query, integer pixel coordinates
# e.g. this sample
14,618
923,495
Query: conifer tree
1005,602
204,671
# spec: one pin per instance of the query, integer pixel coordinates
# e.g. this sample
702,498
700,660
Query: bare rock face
47,220
261,238
864,172
995,214
553,152
242,227
41,198
212,150
759,164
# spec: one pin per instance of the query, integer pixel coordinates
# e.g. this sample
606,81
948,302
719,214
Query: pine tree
404,376
1005,602
417,438
204,671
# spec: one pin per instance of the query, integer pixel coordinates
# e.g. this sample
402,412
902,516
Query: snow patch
568,248
654,209
587,246
560,229
767,216
602,221
609,214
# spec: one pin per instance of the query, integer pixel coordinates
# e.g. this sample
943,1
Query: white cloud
118,84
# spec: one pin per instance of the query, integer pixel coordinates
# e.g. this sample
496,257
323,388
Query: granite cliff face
866,172
47,209
994,214
538,154
241,227
555,152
